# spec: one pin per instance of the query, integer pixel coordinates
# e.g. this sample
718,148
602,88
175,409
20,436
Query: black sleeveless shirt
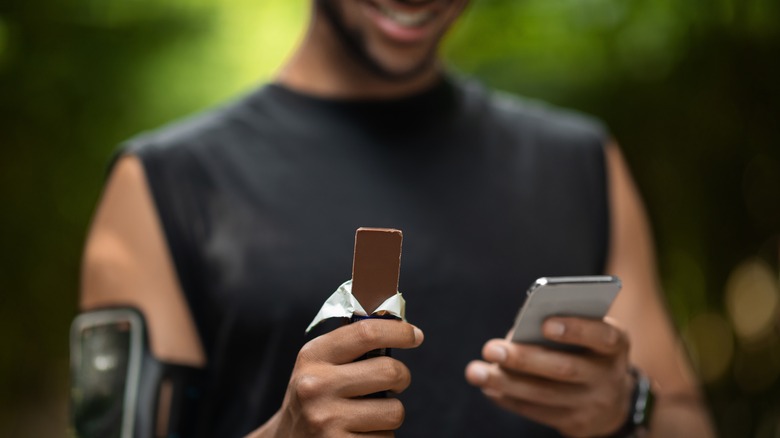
260,200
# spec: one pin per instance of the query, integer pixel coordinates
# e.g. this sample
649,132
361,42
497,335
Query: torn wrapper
342,304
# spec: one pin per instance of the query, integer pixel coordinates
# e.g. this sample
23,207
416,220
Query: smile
406,19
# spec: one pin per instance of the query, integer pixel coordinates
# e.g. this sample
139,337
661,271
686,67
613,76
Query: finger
348,343
540,361
598,336
373,414
371,376
524,387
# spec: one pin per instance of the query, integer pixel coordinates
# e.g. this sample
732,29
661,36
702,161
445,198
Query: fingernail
496,353
479,373
418,336
556,329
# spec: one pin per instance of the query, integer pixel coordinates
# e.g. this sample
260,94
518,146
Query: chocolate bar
376,266
375,269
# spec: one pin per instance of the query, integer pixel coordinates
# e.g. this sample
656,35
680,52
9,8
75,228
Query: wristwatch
642,400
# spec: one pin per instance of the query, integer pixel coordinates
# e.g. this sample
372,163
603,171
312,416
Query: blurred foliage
689,87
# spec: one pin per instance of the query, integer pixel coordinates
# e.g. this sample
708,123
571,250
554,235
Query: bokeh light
752,300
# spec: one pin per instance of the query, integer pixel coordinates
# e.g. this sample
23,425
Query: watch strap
641,408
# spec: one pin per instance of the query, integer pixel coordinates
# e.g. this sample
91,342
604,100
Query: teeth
404,18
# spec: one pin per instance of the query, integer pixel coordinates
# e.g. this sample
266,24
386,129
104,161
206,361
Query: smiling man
227,232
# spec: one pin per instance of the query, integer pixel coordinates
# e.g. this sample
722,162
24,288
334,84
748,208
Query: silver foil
342,304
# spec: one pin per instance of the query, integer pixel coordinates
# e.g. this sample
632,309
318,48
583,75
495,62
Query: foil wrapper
342,304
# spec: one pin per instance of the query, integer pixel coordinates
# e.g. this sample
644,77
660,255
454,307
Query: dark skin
578,394
322,396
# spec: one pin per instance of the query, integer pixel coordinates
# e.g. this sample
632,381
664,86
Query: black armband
119,389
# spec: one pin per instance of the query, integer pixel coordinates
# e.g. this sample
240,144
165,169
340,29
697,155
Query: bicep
127,263
640,308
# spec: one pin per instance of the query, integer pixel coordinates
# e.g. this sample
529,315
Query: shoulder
534,119
200,132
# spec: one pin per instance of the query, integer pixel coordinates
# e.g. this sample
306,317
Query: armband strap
641,408
119,389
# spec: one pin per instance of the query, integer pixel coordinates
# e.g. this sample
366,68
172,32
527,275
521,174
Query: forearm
680,417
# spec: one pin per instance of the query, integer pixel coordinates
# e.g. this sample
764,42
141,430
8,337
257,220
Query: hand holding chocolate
326,392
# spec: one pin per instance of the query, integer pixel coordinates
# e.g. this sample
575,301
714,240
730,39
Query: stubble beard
355,44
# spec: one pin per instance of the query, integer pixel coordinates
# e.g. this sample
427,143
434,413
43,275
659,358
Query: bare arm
127,263
640,311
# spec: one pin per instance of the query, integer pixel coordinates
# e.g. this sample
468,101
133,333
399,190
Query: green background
690,88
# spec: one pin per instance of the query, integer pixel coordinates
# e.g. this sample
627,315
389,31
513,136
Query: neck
323,67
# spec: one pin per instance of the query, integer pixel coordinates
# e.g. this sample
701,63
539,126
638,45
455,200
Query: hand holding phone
583,297
554,383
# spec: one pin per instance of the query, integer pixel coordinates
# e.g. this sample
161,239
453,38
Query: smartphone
106,359
583,297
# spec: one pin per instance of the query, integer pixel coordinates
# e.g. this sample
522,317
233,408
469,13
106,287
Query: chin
376,51
399,67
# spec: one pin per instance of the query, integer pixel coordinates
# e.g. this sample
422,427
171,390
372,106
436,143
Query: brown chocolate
376,266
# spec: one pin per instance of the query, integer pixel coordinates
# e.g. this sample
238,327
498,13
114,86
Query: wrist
640,408
267,430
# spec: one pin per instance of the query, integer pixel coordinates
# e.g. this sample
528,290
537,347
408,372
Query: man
228,231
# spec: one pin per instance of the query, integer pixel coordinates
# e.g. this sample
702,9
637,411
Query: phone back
584,297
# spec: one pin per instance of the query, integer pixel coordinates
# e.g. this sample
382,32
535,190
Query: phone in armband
119,389
583,297
106,361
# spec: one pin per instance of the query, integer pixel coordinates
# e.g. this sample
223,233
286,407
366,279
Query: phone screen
99,375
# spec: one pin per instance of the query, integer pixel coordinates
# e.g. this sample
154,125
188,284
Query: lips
406,19
405,24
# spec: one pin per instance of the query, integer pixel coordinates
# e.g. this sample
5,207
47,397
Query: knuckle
616,339
396,373
566,369
401,375
368,333
390,368
308,387
612,339
316,420
519,359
